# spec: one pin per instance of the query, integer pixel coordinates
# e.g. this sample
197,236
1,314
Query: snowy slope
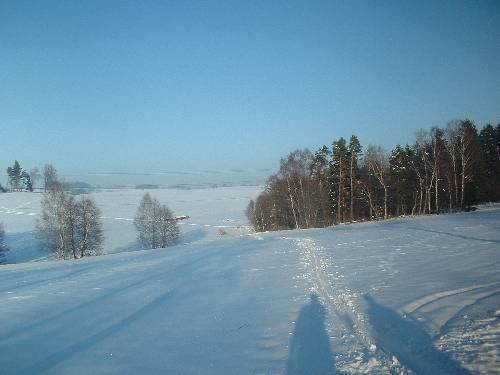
403,296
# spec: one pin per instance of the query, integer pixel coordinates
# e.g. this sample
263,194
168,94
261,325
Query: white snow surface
210,210
404,296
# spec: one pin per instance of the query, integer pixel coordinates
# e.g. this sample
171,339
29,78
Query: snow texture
404,296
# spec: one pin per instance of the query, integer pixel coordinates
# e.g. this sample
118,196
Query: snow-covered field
417,295
210,210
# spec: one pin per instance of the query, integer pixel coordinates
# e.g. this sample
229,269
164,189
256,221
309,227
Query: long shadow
309,350
150,276
461,236
24,247
193,235
131,246
64,354
189,236
46,280
409,343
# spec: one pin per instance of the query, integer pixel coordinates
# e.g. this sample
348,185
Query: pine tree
15,174
27,182
338,174
403,179
489,179
319,174
354,153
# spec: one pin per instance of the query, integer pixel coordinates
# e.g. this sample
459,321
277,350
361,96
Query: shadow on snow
405,339
60,356
309,351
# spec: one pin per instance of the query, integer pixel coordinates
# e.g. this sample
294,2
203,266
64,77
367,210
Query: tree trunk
385,202
292,204
351,208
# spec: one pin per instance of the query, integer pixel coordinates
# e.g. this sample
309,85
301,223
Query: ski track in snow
347,324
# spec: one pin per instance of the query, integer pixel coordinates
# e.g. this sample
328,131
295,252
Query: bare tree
155,223
378,164
34,176
50,178
452,132
295,170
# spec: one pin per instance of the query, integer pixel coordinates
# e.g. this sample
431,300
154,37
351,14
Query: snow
404,296
209,209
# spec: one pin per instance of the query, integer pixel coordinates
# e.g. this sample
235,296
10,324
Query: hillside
403,296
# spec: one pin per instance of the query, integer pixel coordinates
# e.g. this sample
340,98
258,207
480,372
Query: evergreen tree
354,153
489,178
319,174
27,183
338,174
403,180
15,174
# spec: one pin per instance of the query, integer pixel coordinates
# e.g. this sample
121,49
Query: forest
446,169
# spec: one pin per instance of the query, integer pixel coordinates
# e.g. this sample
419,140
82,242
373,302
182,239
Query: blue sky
166,86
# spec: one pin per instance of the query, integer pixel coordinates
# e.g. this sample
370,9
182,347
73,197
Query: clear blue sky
155,86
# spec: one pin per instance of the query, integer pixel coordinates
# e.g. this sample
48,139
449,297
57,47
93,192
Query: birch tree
378,164
155,223
69,227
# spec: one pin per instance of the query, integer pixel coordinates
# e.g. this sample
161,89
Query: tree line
19,179
445,169
71,227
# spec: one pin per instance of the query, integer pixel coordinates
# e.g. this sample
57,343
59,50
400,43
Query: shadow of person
309,351
405,339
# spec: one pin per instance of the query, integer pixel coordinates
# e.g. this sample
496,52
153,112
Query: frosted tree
3,246
169,230
155,223
52,223
89,237
68,227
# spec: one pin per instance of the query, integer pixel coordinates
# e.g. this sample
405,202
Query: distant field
209,210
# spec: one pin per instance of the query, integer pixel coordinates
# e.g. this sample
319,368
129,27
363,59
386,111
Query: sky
119,92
